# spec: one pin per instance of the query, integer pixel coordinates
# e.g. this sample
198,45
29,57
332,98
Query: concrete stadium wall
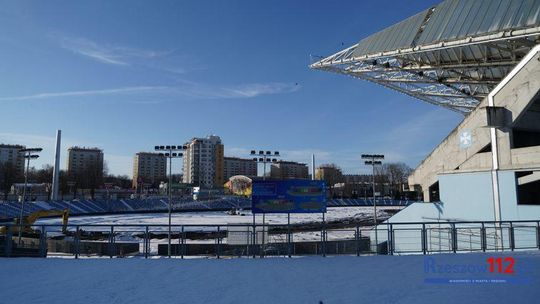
516,97
464,197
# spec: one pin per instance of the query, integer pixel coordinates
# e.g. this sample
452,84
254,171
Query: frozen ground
370,279
216,218
221,218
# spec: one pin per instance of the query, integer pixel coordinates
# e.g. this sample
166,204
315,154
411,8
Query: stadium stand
159,204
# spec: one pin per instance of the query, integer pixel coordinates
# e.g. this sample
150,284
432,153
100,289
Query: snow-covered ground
367,279
221,218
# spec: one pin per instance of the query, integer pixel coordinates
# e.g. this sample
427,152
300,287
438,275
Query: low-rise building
238,166
288,170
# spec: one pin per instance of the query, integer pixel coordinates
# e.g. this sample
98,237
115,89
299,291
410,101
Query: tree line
91,178
392,175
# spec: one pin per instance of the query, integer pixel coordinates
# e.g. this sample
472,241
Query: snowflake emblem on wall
465,139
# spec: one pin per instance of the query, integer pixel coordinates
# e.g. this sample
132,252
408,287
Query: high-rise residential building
203,162
288,169
238,166
149,168
10,154
82,161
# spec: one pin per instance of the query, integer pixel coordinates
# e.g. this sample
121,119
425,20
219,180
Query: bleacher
159,204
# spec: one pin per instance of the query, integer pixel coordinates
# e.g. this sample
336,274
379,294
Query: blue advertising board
288,196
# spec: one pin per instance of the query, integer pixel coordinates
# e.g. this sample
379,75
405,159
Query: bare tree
42,176
331,174
94,177
122,181
8,176
395,175
63,179
91,177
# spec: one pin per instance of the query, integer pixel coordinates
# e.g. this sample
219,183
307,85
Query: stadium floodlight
28,154
372,156
374,160
370,162
31,150
265,156
170,154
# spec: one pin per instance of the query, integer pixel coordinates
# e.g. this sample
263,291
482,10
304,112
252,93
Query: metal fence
258,240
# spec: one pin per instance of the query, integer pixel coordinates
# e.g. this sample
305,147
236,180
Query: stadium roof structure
451,55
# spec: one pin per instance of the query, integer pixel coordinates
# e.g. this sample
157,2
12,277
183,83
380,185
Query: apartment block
10,154
149,168
80,160
238,166
204,162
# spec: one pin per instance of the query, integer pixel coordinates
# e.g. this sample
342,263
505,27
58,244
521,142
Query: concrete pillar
56,171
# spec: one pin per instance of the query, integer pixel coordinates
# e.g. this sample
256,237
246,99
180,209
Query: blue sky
126,75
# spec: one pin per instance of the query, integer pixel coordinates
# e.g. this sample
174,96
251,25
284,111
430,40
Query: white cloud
107,53
250,90
189,89
168,61
125,90
256,89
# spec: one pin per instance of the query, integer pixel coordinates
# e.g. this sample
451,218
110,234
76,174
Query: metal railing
258,240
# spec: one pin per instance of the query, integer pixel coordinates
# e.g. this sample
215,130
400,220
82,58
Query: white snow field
366,279
221,218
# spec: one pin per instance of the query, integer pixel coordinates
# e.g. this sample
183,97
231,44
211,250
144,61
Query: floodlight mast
264,158
28,154
373,160
170,154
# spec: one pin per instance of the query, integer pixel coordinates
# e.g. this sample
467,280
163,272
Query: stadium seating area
158,204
